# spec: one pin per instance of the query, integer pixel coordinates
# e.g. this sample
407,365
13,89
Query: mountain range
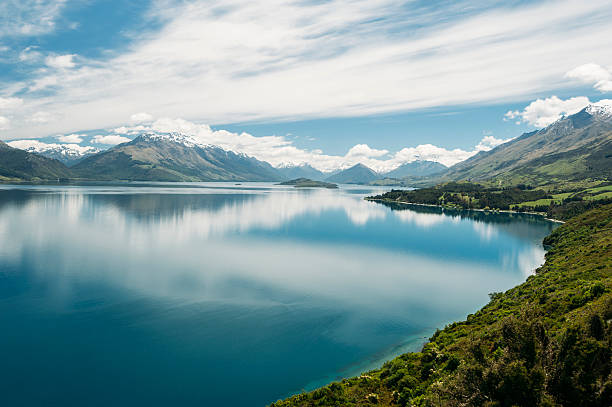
575,147
69,154
173,157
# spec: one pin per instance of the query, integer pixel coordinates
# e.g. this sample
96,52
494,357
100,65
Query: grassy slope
561,202
574,148
19,165
545,342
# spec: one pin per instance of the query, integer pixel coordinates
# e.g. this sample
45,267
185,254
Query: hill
419,168
546,342
574,148
16,164
357,174
301,171
308,183
173,157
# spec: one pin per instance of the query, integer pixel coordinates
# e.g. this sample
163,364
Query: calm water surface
230,295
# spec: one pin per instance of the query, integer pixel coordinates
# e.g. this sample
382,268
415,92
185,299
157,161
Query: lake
217,294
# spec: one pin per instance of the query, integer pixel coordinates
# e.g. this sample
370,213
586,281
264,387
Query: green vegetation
546,342
18,165
557,204
308,183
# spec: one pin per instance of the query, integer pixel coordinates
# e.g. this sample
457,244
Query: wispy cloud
71,138
60,61
238,60
29,17
110,140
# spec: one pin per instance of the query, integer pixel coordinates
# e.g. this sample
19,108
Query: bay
220,294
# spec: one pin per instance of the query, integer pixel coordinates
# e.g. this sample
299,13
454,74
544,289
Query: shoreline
464,209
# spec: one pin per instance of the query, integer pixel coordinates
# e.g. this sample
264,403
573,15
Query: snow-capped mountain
174,157
69,154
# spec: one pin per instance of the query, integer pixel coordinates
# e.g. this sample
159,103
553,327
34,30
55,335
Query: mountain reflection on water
179,293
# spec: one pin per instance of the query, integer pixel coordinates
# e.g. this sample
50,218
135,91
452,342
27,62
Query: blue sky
329,83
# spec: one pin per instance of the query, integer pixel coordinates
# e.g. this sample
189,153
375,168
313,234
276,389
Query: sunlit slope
575,148
173,158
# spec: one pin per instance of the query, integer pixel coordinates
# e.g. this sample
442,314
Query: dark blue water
230,295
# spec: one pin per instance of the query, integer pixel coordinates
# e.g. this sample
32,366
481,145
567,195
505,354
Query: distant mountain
173,157
420,168
23,165
68,154
357,174
300,171
576,147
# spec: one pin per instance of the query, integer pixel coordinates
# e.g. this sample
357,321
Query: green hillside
546,342
19,165
578,147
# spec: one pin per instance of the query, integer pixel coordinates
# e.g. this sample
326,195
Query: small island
308,183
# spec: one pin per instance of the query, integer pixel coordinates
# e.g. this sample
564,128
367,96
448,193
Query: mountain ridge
357,174
17,164
173,157
575,147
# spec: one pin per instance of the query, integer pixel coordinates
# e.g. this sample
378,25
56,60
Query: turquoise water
218,294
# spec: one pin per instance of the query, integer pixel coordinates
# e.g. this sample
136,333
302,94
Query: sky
328,83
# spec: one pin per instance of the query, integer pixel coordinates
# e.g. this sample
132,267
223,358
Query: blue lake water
215,294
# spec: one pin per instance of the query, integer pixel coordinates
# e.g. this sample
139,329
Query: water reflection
226,280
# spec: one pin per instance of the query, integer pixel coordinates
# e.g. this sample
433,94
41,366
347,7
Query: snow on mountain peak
179,138
601,108
65,150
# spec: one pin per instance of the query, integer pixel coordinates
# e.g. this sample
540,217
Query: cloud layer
222,62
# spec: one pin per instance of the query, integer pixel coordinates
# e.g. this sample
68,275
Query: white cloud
30,54
489,142
110,140
71,138
41,118
43,82
278,150
29,17
60,61
593,74
141,118
10,103
363,150
511,115
5,123
543,112
294,59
